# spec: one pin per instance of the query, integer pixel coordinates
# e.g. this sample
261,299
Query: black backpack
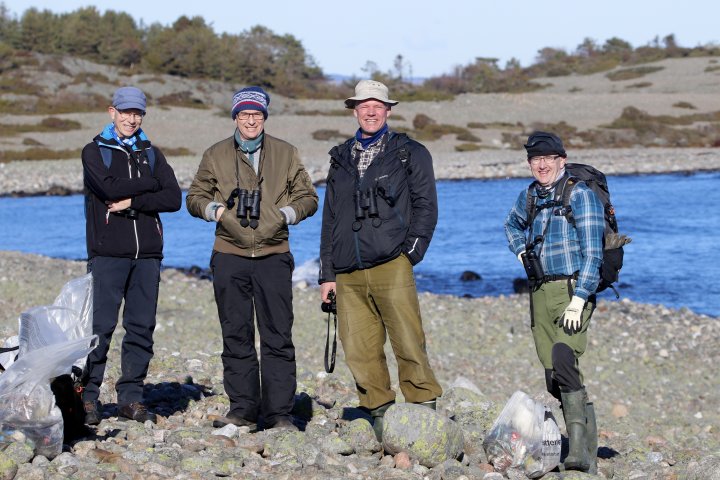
613,242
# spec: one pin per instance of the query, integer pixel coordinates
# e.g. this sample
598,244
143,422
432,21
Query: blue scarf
366,142
109,133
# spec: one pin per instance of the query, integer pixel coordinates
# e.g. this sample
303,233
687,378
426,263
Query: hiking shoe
92,413
236,420
285,424
136,411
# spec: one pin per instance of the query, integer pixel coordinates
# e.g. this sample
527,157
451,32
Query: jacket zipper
137,240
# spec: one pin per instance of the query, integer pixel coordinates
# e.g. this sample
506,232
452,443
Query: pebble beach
650,370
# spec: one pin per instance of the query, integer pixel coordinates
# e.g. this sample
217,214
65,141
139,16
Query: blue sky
432,36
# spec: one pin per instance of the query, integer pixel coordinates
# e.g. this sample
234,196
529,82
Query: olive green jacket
282,181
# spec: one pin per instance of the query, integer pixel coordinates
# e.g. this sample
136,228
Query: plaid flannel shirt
565,250
364,157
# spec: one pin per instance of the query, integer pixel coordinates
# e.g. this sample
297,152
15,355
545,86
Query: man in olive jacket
379,216
254,185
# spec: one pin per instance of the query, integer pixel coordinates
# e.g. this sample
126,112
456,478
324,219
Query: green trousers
548,303
374,304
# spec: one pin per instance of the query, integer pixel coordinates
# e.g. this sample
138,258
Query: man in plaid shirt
562,297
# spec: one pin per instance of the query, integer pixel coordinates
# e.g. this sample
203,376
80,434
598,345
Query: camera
531,262
330,307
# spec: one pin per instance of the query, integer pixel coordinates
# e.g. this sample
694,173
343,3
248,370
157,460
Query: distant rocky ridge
193,114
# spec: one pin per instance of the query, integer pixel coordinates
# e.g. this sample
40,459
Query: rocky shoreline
648,368
64,177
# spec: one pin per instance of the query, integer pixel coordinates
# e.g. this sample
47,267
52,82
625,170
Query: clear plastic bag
525,436
52,339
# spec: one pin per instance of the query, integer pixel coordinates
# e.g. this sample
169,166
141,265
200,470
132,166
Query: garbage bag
7,357
525,435
51,340
27,404
68,318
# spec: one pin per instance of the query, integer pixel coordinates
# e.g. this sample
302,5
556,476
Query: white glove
572,316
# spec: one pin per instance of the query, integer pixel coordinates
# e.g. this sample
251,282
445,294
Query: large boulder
707,468
425,434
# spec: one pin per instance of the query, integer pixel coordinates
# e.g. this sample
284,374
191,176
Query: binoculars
248,210
367,201
531,262
129,213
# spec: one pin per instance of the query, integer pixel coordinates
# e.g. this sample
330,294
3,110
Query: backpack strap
404,156
106,153
564,198
150,151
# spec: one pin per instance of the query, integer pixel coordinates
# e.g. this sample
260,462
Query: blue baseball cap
126,98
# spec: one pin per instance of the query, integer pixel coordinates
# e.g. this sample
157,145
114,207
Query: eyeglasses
125,115
247,116
549,159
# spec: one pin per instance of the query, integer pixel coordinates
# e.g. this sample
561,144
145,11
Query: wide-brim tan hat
369,89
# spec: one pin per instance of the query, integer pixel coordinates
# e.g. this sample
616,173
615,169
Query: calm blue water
673,219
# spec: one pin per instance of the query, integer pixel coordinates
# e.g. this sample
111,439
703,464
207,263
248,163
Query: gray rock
707,468
19,452
425,434
360,436
8,467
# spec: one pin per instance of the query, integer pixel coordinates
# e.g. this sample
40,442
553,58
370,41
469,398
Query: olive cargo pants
373,304
547,305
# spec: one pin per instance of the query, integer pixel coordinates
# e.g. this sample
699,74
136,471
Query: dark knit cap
544,143
250,98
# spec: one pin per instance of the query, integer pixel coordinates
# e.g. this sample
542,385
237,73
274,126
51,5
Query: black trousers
242,284
137,282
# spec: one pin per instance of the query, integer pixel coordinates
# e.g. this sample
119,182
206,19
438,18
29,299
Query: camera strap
330,366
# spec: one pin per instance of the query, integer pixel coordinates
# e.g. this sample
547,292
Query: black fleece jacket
129,176
406,200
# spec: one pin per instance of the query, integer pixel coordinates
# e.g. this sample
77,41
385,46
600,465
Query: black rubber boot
574,405
377,415
591,438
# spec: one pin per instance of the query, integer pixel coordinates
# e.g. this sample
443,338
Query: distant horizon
432,41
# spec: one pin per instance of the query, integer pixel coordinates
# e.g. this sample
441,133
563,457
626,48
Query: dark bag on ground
68,397
613,241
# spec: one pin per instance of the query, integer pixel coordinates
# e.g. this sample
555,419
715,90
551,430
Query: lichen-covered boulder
425,434
707,468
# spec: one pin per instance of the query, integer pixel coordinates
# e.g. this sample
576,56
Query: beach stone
424,433
66,464
470,276
402,461
333,444
619,411
8,467
707,468
291,444
360,435
19,452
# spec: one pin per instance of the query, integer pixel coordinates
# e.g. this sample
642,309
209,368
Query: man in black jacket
127,183
379,215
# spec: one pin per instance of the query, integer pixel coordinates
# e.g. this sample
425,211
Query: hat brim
350,102
129,106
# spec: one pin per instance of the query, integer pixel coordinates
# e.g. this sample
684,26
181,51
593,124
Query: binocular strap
330,366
